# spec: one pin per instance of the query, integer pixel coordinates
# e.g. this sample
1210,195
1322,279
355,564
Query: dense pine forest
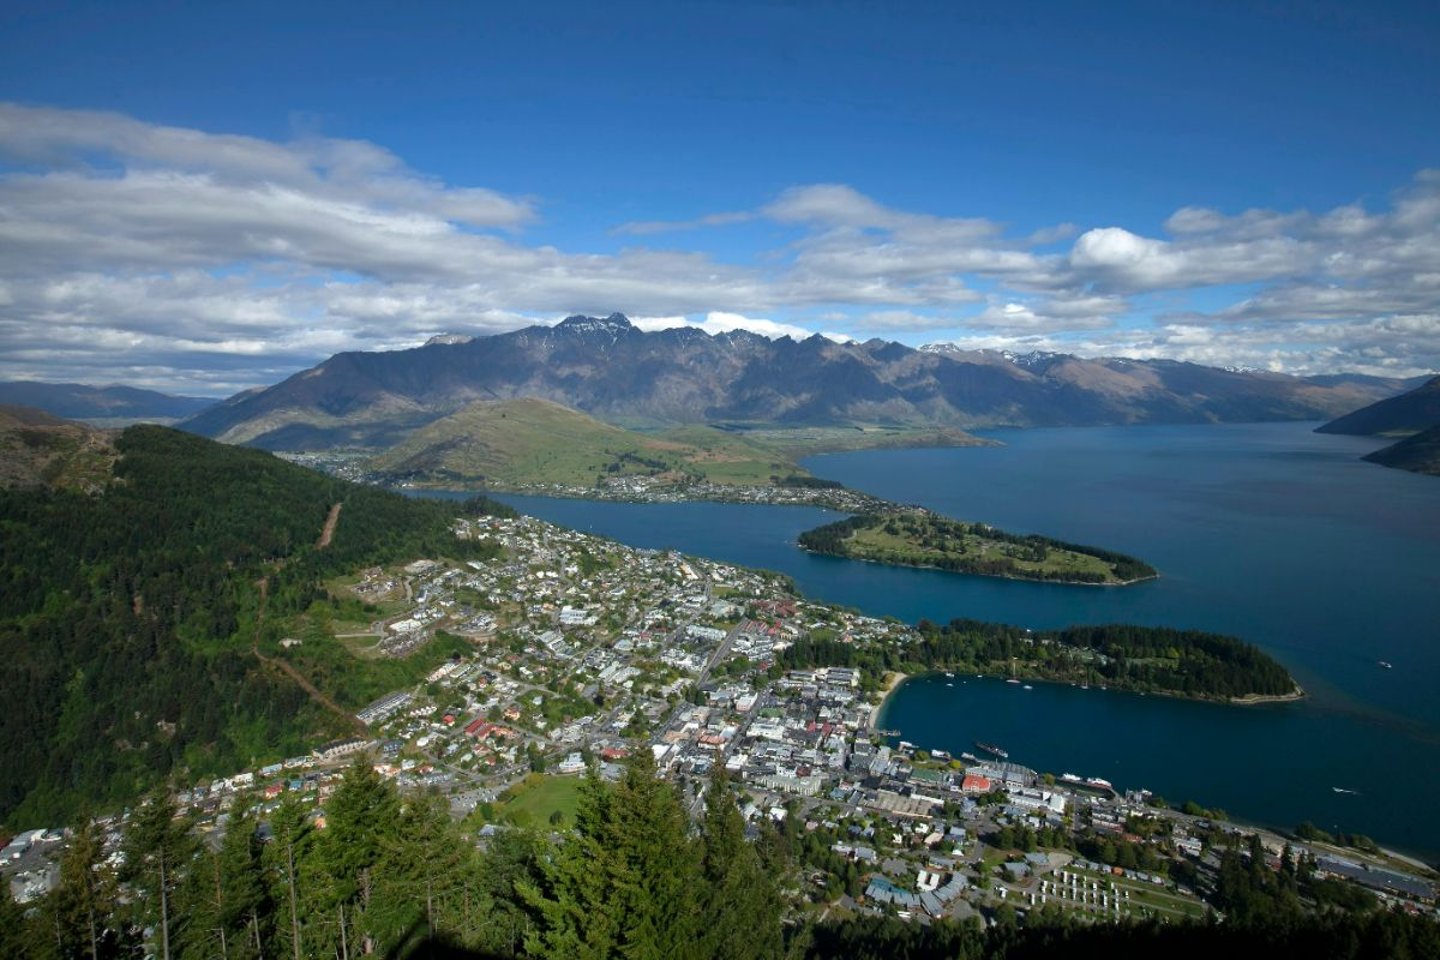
379,874
1152,659
130,618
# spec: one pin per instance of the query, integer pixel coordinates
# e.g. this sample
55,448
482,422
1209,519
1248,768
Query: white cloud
199,261
717,322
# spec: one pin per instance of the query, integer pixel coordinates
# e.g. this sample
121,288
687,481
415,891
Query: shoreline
1248,700
1254,698
895,679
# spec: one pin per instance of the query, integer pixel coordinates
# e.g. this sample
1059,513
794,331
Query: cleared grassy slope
532,441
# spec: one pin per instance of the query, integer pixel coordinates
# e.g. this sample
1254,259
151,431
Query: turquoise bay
1267,531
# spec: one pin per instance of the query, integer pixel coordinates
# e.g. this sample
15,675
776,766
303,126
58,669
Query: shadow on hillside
418,946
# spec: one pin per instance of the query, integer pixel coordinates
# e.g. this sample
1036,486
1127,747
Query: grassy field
919,538
538,798
1146,899
529,441
876,544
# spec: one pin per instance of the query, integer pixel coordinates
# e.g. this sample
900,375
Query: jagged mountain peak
448,339
612,370
615,324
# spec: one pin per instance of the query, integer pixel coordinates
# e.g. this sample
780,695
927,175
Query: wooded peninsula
915,537
1162,660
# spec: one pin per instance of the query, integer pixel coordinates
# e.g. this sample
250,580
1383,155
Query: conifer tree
16,935
80,910
425,870
360,817
291,839
627,883
248,907
742,909
158,850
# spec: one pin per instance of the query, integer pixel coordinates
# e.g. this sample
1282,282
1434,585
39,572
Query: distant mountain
1419,453
39,450
515,442
77,401
611,370
1396,416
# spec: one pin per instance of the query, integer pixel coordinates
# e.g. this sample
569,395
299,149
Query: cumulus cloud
204,262
716,322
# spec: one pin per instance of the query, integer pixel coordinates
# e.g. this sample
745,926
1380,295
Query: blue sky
203,197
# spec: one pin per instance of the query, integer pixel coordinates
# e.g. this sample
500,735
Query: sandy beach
893,680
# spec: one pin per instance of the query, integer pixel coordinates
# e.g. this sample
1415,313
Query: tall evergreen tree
742,908
82,907
291,838
247,910
425,873
360,818
628,882
159,847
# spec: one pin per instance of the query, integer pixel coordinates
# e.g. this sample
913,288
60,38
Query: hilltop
1408,413
1413,416
79,401
613,371
528,441
39,450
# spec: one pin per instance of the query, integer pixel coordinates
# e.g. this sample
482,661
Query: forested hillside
129,617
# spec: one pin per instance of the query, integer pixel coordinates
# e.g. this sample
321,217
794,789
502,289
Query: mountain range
78,401
612,370
1413,416
1408,413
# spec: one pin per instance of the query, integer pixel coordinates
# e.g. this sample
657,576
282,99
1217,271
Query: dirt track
328,532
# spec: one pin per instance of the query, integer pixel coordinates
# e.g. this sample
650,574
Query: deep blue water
1267,531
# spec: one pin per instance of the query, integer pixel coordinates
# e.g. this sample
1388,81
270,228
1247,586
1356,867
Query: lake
1270,532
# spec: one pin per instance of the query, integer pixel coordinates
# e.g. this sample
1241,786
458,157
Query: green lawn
538,797
908,548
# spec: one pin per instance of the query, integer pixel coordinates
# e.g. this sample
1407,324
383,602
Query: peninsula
916,537
1189,664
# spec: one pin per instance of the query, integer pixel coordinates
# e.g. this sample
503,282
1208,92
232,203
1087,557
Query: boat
1012,680
1099,783
1386,664
1343,790
1027,687
1069,778
992,749
969,757
950,676
949,684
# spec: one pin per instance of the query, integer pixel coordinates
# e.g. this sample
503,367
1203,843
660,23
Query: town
579,651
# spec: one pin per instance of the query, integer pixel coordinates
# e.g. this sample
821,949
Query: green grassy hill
509,443
919,538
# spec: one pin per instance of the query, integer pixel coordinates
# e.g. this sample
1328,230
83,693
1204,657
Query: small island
915,537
